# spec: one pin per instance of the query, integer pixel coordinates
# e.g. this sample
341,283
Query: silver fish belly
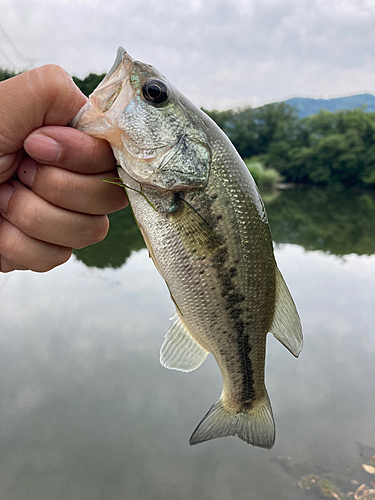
207,232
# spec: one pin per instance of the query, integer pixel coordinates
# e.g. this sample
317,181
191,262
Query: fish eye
155,91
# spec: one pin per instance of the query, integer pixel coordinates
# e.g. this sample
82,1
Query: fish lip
97,109
110,88
123,59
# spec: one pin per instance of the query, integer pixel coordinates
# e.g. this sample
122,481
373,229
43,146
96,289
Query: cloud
219,53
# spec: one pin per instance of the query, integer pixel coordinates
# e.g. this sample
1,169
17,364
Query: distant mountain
307,106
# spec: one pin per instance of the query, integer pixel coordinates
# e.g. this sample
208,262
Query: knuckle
54,75
53,69
48,78
60,92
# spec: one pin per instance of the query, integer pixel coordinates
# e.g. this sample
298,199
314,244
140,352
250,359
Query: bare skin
52,194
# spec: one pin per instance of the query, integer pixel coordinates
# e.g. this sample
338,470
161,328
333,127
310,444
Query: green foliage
88,84
266,178
328,149
324,149
6,73
252,131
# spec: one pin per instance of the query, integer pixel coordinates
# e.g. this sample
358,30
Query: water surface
87,412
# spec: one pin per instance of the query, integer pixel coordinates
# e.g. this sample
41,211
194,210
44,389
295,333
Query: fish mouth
120,69
113,84
96,118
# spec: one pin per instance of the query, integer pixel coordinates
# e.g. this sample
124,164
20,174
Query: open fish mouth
101,113
96,113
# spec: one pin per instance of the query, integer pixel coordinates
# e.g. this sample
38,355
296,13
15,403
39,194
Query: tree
88,84
6,73
329,148
252,131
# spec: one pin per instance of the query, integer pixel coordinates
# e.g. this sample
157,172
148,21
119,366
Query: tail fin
256,426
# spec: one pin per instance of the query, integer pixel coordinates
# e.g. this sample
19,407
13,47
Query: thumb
42,96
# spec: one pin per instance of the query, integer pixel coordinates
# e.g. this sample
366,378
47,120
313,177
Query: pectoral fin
179,350
286,325
195,233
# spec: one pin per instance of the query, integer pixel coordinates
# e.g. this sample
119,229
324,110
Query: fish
206,229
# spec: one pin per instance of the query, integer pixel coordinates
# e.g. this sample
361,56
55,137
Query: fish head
157,135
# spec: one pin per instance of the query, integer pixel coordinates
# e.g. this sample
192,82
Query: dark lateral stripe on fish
233,301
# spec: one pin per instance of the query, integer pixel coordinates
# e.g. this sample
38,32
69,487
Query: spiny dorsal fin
179,350
286,325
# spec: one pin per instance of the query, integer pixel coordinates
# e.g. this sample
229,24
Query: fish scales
207,232
218,315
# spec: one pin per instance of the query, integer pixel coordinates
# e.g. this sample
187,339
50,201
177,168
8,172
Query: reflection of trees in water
123,238
338,221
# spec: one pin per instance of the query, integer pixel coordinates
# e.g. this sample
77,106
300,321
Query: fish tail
255,426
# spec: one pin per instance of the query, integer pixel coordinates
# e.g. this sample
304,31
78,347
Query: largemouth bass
206,230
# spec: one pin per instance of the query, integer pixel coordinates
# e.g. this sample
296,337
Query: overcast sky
220,53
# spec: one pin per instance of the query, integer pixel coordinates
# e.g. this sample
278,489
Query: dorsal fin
286,325
179,350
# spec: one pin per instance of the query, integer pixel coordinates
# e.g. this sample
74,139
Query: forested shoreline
327,148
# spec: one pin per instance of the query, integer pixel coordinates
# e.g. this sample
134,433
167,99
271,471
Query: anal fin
179,350
286,325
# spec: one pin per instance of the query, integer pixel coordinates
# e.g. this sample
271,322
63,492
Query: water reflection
123,238
339,221
87,412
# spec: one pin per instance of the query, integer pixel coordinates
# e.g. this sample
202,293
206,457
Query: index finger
78,151
42,96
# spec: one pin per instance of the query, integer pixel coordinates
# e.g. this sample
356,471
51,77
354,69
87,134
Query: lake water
88,413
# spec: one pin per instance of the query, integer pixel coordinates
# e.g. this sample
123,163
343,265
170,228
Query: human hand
52,194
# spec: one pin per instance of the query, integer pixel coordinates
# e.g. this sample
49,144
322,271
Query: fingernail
26,171
42,148
6,191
